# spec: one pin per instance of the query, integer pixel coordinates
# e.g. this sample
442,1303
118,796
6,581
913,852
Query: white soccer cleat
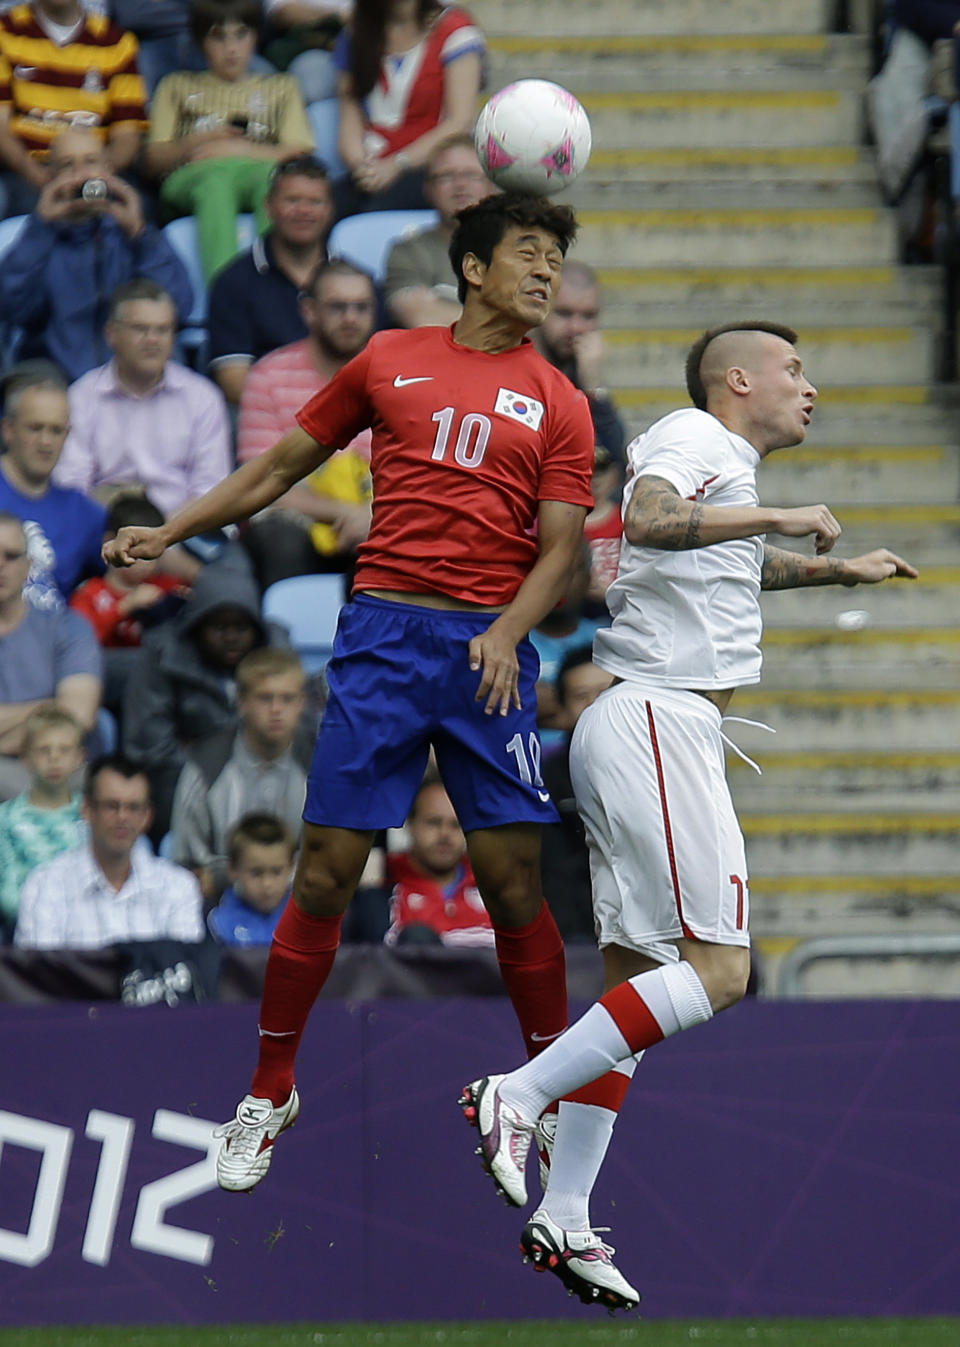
581,1260
247,1149
505,1137
546,1136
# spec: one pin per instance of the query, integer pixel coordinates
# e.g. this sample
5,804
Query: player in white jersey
647,761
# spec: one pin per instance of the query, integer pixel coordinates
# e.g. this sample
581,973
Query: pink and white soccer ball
533,136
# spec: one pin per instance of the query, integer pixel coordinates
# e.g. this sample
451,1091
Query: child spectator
45,819
261,855
120,604
435,898
258,766
216,135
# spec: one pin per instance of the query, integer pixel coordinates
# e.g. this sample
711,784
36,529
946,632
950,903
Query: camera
94,189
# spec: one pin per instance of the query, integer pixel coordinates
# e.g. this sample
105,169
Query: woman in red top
411,71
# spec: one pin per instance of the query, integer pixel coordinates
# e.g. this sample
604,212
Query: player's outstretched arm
252,487
658,516
790,570
494,652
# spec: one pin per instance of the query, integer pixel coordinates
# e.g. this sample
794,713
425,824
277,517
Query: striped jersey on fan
91,82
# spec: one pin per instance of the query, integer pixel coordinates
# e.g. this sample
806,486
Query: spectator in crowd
255,301
603,530
74,252
897,98
565,861
570,338
162,28
63,66
420,288
110,890
216,135
261,764
307,31
184,685
47,655
143,419
45,819
64,529
260,861
435,899
566,627
120,604
318,524
411,72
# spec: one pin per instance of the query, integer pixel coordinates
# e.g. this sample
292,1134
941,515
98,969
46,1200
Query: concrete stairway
729,180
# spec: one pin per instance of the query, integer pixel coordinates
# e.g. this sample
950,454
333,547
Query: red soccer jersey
465,446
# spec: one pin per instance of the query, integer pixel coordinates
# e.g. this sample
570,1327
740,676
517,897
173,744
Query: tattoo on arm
692,536
659,516
790,570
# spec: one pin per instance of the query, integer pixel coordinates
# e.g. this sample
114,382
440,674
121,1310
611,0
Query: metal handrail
796,962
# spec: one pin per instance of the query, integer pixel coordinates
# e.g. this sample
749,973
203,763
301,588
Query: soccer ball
533,136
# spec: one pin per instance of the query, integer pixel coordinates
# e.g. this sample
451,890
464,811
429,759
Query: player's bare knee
319,891
724,971
329,869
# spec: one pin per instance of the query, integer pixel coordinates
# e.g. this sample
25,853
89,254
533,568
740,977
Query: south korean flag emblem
528,411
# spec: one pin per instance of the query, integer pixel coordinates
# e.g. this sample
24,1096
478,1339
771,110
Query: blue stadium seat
366,240
308,605
325,124
9,336
182,236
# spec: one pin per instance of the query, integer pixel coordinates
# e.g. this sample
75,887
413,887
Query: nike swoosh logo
544,796
545,1038
401,382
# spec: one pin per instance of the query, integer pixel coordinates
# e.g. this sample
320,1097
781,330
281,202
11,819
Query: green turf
529,1333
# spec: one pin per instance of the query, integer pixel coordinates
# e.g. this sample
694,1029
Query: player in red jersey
481,461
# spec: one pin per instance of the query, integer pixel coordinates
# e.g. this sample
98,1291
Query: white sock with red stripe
633,1016
583,1135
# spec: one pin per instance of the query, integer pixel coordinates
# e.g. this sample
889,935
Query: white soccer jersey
688,619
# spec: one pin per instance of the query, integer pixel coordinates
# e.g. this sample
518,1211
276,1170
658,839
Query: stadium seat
366,240
325,123
308,605
182,236
9,336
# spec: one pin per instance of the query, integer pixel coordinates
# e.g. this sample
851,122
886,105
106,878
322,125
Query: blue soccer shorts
399,681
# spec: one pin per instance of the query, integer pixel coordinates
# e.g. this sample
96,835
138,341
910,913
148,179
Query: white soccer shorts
667,859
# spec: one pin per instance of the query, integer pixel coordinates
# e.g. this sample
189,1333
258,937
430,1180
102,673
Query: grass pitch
529,1333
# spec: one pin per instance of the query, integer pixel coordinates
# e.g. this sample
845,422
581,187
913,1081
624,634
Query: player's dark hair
695,385
573,659
259,829
368,30
481,227
132,509
205,15
111,762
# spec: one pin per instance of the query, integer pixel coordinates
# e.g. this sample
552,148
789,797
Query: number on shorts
740,887
515,746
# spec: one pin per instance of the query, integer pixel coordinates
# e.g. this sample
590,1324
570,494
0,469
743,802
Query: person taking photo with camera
86,236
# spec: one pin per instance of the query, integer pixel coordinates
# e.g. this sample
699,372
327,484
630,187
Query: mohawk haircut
695,385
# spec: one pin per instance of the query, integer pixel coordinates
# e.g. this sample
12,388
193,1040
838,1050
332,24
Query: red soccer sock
534,973
607,1091
301,957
